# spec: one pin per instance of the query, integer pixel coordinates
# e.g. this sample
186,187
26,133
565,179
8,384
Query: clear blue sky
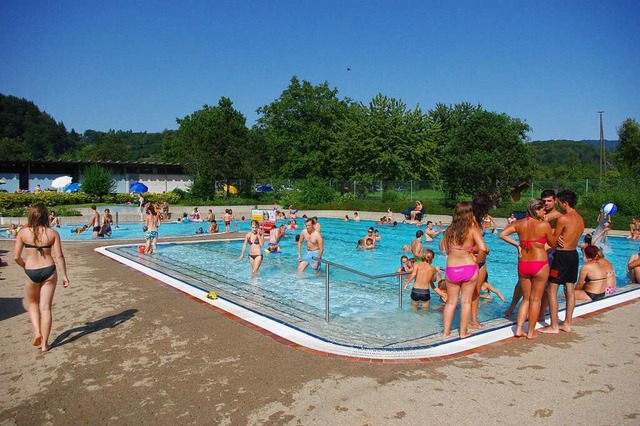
138,65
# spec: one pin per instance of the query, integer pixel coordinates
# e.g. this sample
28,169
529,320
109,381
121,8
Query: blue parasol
138,188
72,187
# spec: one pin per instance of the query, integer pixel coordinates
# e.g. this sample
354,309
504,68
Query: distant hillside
609,145
557,152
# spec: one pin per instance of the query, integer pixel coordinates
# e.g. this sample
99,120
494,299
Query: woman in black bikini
592,282
255,240
38,241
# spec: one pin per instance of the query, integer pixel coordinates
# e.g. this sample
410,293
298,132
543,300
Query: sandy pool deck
134,351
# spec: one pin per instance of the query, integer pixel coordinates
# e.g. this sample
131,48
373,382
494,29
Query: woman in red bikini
39,242
533,265
461,240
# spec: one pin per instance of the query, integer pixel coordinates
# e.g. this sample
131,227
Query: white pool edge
446,348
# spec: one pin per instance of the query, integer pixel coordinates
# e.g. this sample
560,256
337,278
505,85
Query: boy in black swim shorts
424,276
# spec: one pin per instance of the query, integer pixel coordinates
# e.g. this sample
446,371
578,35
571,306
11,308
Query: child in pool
424,276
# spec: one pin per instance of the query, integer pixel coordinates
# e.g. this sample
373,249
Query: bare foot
565,327
37,341
45,349
465,335
550,330
475,325
446,335
532,334
519,332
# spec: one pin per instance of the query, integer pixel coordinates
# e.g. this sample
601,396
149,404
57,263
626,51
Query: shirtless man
94,222
315,248
429,233
424,275
551,214
564,266
416,246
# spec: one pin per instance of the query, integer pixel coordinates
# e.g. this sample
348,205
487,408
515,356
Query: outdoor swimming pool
363,312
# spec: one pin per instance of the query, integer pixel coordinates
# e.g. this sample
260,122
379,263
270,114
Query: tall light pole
603,159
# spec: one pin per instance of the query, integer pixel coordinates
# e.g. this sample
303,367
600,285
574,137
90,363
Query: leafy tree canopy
300,128
212,144
386,141
629,150
485,152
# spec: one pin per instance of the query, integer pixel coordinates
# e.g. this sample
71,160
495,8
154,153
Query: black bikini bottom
40,275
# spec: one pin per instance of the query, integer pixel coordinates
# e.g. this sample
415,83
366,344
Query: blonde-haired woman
461,240
39,242
533,265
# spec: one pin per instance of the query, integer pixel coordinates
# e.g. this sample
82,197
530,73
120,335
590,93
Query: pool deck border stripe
447,349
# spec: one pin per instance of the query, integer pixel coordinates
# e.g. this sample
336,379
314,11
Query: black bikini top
39,248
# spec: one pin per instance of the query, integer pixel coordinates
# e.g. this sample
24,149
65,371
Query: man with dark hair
564,267
94,222
315,247
551,214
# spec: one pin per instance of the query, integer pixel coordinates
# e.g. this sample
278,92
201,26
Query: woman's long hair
38,217
461,223
481,205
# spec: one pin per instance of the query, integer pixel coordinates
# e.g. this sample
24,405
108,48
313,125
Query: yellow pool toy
212,295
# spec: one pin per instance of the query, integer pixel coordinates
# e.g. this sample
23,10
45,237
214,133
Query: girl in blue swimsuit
38,241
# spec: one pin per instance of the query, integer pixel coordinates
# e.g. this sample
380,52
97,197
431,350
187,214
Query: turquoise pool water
129,230
363,311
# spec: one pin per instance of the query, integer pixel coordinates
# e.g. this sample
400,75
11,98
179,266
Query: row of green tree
309,132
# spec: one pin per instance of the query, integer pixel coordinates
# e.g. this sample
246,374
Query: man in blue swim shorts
315,248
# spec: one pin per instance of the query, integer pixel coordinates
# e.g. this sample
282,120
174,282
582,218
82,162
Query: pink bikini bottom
460,274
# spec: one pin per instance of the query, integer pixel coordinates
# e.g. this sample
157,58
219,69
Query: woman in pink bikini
461,240
533,265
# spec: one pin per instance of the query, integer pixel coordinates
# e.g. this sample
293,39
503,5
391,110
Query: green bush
314,191
390,196
15,212
9,201
97,181
67,212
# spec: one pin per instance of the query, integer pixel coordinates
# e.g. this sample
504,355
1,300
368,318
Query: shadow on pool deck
112,321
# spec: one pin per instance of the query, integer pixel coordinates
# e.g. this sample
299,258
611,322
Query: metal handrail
329,264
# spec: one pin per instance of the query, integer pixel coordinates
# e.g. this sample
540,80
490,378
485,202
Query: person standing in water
152,223
255,240
315,248
94,222
42,248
